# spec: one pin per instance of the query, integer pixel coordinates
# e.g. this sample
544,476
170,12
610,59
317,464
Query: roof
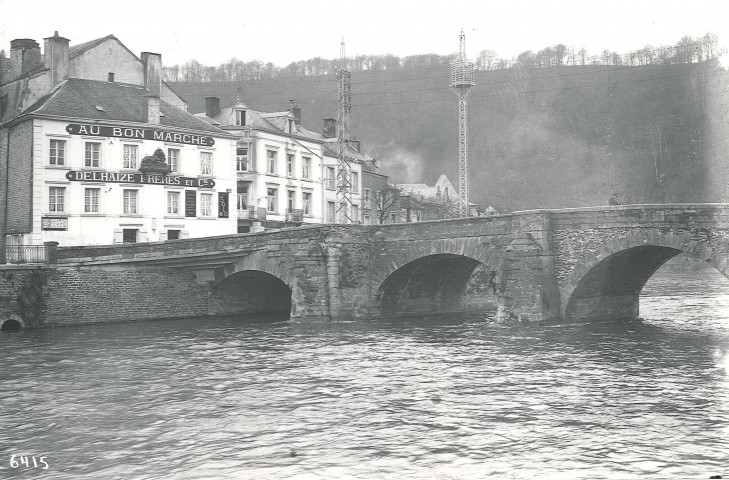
76,50
272,122
331,149
77,98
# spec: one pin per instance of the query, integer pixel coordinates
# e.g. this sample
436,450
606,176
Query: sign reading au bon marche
139,134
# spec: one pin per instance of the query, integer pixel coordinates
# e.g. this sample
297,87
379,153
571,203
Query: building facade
285,173
96,149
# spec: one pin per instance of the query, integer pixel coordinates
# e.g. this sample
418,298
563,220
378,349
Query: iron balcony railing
295,215
247,213
27,254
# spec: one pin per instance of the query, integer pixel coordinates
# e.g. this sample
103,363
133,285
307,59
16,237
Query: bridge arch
438,277
254,286
607,283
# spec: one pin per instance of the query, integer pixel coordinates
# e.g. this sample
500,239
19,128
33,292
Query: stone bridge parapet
540,265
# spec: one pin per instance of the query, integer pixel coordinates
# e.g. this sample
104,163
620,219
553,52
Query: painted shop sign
190,203
145,178
222,204
140,134
54,223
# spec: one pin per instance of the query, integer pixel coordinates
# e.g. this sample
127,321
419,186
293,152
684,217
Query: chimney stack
153,83
25,55
330,128
212,106
296,111
55,58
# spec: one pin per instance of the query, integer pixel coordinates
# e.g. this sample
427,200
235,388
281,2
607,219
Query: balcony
251,213
28,254
296,215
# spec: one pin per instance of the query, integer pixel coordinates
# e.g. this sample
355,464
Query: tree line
687,50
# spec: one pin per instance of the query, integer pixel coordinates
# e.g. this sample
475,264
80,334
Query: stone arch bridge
535,266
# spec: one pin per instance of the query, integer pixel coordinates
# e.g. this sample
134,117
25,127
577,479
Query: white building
77,147
286,175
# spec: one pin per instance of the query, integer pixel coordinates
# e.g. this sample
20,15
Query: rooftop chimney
330,128
212,106
55,58
296,111
25,55
153,84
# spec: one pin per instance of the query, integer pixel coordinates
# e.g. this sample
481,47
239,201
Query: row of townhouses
95,148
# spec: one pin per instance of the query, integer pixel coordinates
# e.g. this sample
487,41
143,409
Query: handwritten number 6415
26,462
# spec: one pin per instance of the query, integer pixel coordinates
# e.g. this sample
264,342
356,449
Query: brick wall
102,295
20,174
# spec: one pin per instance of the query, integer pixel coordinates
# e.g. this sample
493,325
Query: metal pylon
344,105
461,82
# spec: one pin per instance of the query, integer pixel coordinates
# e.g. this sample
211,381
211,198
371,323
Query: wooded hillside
539,137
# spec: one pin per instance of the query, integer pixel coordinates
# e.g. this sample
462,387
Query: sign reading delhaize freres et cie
139,134
134,177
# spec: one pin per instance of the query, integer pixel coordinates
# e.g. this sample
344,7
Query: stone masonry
537,266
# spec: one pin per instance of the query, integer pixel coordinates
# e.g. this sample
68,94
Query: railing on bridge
295,215
21,254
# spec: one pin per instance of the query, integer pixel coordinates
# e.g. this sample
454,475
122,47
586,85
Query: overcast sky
282,31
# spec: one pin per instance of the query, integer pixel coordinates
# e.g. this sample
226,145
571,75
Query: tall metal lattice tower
461,83
344,105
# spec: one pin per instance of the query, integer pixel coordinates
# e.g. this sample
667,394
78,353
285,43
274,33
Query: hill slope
538,138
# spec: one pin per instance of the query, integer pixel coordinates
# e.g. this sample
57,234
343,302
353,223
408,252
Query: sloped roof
331,149
78,49
78,98
272,122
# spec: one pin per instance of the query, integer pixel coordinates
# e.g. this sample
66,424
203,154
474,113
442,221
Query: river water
417,398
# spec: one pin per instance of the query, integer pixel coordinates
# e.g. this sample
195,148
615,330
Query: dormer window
291,125
240,118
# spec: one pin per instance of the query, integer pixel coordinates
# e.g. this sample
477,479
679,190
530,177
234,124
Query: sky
282,31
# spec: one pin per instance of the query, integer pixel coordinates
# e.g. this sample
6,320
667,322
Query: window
272,193
330,181
271,161
129,235
331,212
173,159
206,163
56,199
242,197
306,200
57,155
393,218
173,203
240,117
173,234
355,213
305,167
91,200
110,77
290,165
92,154
206,204
355,182
129,206
367,220
131,156
241,159
291,200
367,198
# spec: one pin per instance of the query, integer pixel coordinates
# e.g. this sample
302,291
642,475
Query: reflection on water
420,398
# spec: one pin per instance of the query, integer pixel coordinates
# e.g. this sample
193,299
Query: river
415,398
